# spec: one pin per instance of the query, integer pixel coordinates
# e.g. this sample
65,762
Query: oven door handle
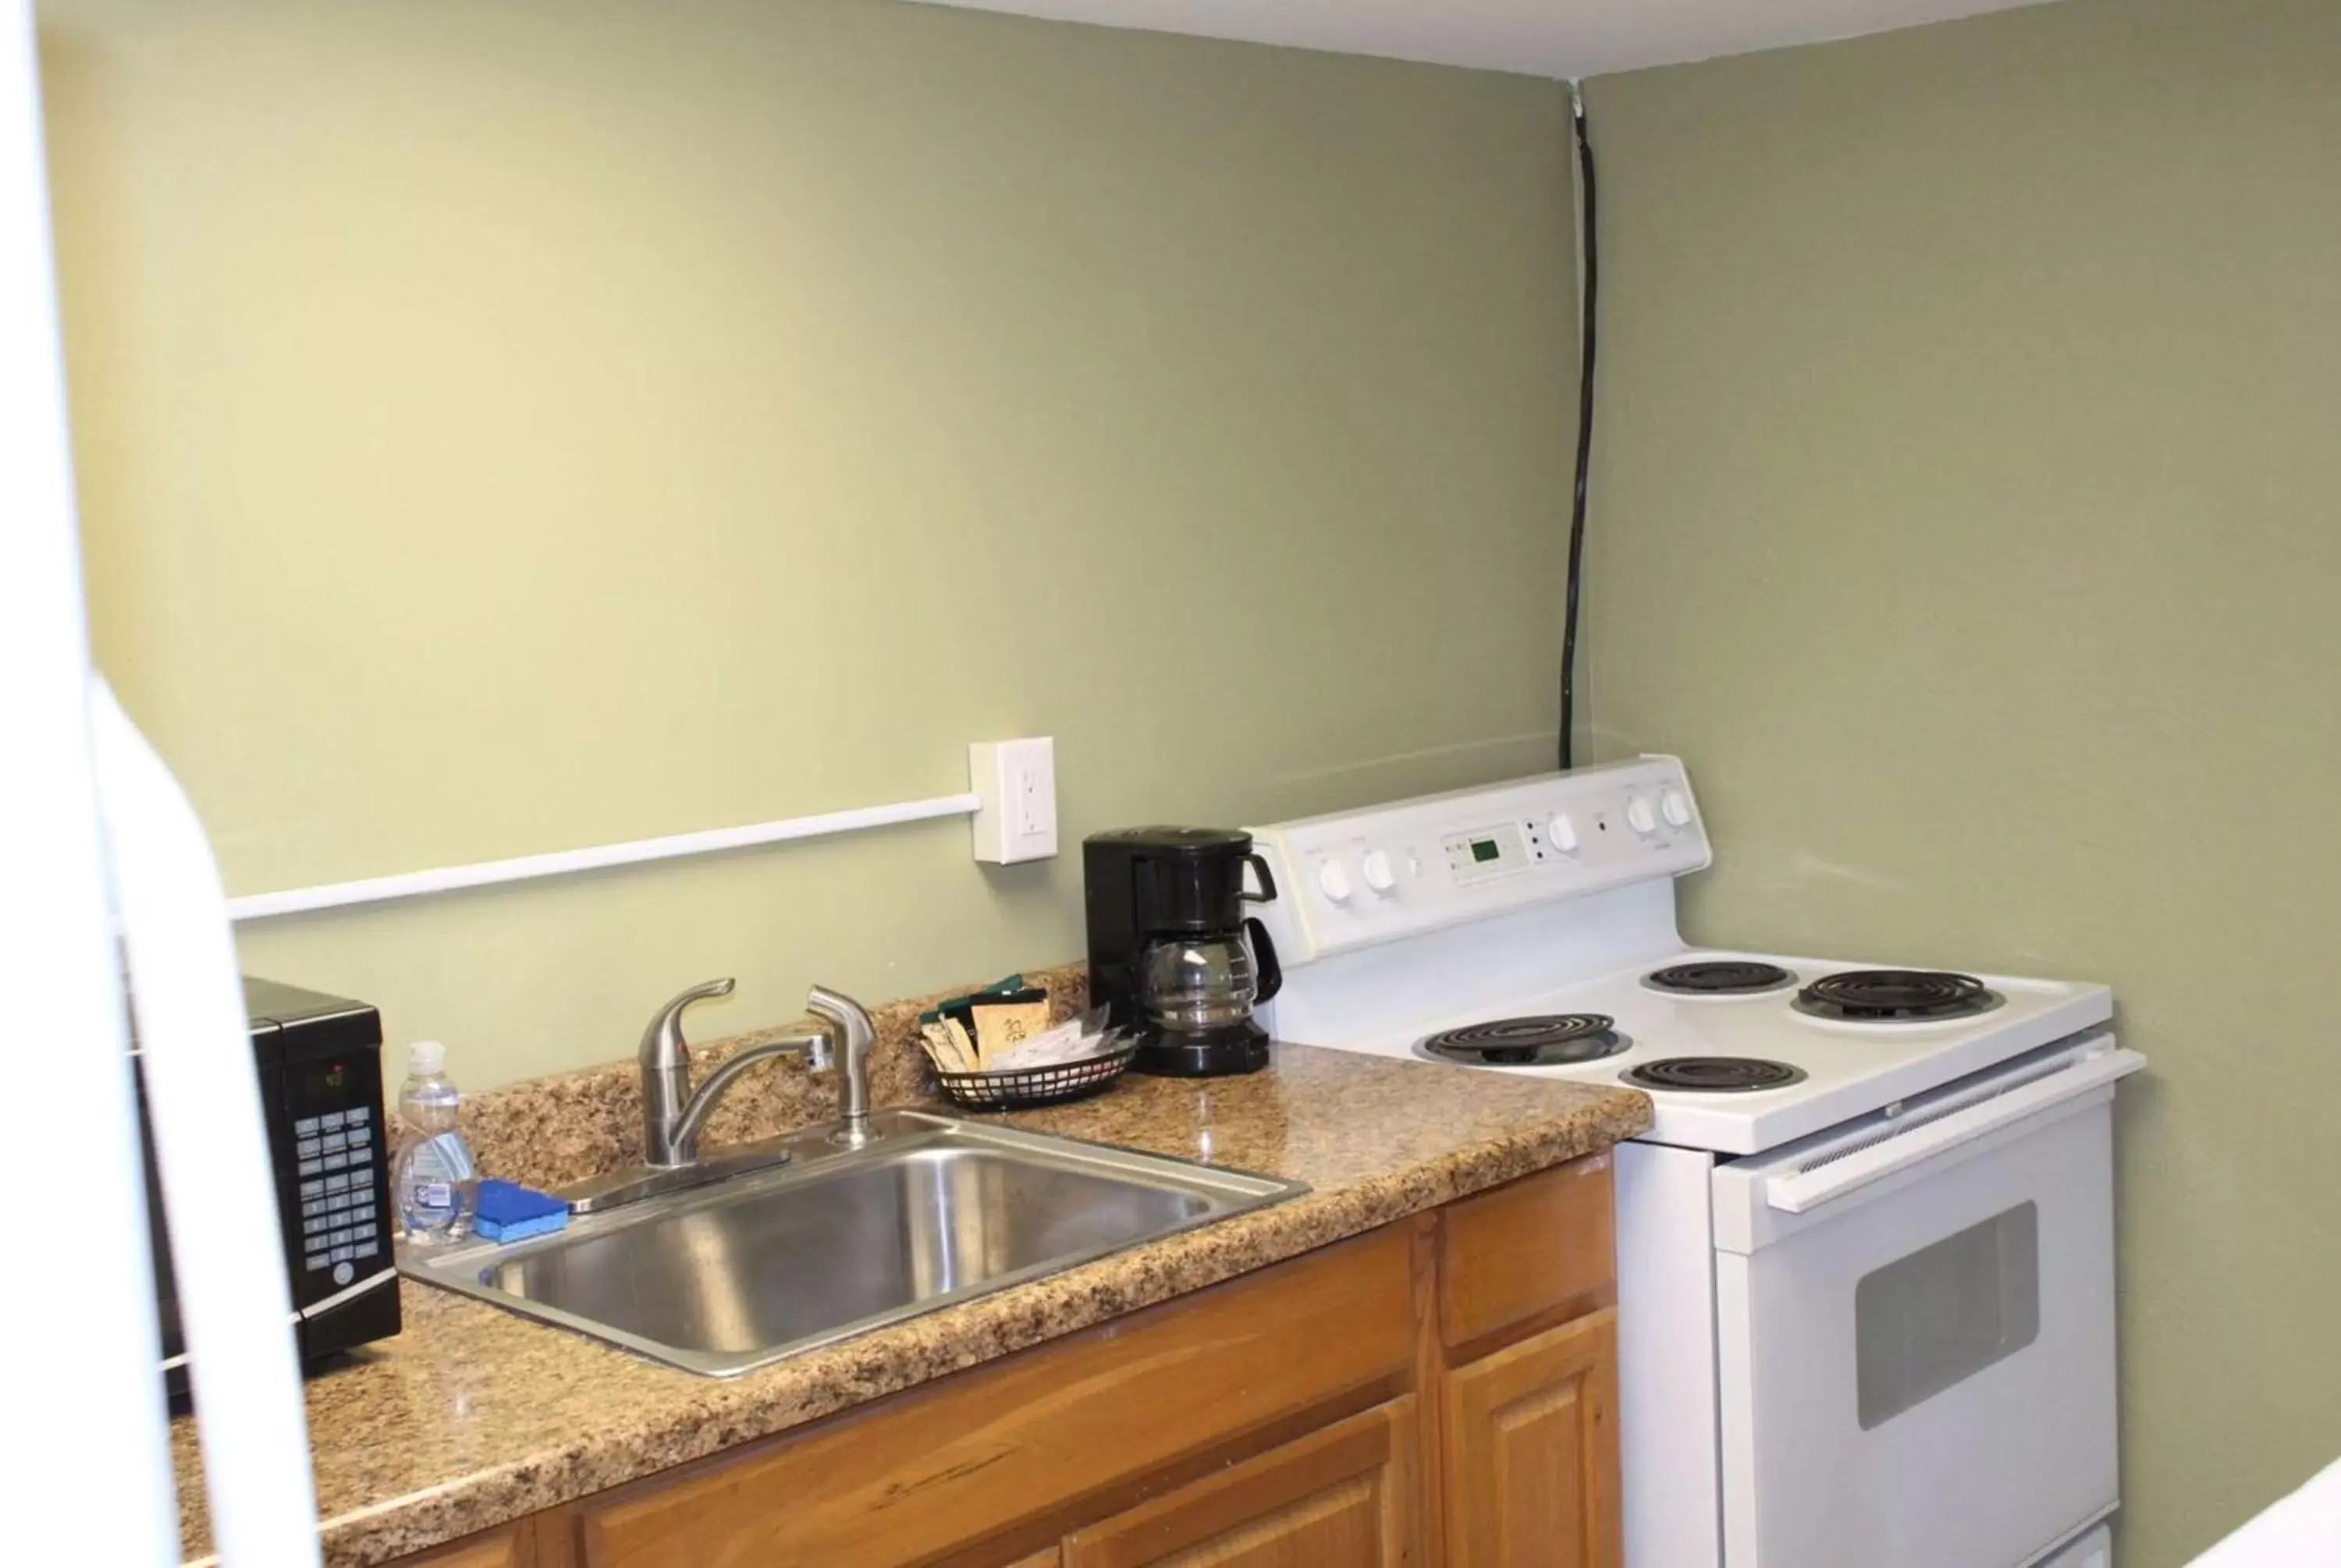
1801,1192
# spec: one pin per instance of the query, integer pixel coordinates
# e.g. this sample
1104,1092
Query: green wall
1966,516
507,425
504,426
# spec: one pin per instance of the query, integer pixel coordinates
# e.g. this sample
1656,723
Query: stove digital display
1480,854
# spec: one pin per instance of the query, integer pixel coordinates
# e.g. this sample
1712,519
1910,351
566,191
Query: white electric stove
1866,1250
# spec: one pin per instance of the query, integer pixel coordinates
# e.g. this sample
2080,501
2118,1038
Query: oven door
1914,1321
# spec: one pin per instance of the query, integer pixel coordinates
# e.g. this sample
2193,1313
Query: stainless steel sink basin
723,1278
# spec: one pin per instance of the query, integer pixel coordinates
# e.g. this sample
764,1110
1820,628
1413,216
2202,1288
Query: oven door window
1930,1321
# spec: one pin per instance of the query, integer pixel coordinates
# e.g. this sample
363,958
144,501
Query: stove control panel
1415,866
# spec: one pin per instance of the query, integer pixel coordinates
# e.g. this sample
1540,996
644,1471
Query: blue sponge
508,1212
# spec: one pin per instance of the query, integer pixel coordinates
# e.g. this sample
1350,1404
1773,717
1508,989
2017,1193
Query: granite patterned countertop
473,1416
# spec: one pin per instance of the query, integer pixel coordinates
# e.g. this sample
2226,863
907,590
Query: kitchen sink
723,1278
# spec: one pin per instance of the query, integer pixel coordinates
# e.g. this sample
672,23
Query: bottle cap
426,1058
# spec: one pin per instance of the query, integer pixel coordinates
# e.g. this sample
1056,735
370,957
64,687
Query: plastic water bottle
434,1179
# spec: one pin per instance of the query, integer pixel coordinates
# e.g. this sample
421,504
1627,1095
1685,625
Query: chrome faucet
673,1113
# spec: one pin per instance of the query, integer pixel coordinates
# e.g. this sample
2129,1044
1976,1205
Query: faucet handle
662,1042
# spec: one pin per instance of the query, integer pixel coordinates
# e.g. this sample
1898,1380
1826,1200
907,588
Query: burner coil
1895,995
1719,978
1549,1041
1713,1074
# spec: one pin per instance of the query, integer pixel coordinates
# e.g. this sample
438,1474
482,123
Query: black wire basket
1019,1089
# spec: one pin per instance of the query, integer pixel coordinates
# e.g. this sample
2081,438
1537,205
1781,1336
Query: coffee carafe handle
1266,894
1263,957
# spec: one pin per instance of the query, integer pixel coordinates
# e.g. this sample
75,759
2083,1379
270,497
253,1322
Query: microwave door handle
211,1150
1801,1192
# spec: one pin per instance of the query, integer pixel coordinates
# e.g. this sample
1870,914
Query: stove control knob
1333,879
1562,833
1379,875
1638,812
1677,807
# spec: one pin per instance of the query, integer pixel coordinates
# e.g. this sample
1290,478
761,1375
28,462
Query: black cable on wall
1589,284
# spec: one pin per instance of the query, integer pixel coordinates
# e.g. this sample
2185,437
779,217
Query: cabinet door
1344,1496
1531,1449
506,1548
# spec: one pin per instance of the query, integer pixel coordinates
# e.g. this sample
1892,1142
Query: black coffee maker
1172,952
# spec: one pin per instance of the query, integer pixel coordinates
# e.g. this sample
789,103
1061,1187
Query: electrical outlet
1018,783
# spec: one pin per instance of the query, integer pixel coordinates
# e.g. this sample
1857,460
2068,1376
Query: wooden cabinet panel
1532,1451
504,1548
977,1454
1526,1247
1345,1496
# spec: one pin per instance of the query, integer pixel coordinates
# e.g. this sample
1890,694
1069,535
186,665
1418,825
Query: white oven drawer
1917,1367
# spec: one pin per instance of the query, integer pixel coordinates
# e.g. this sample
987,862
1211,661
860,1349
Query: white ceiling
1538,37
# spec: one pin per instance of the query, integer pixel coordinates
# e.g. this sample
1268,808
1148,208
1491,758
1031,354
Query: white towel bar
561,862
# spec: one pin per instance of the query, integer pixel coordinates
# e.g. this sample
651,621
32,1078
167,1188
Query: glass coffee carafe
1205,985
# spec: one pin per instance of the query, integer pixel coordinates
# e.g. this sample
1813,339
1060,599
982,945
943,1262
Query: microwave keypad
339,1223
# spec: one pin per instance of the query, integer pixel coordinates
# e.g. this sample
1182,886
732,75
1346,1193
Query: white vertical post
211,1147
80,1381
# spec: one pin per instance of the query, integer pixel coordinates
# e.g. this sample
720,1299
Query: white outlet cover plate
1017,780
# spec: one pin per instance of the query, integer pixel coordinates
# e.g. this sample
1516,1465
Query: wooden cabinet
1520,1253
508,1547
1532,1451
1346,1494
1440,1393
912,1478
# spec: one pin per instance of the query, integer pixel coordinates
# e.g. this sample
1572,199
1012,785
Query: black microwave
319,1059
